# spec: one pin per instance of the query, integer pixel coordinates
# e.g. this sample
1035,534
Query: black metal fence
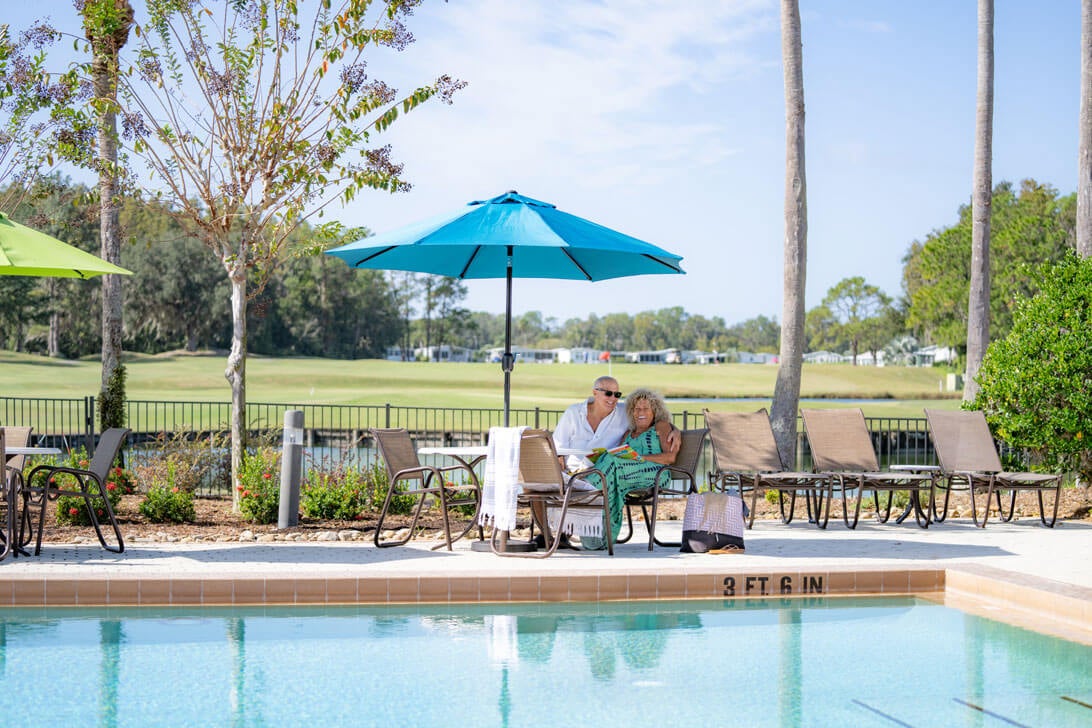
341,429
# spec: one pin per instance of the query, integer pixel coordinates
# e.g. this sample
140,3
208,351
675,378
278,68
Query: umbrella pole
507,361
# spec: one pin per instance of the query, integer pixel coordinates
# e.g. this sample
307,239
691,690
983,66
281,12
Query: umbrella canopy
510,236
27,252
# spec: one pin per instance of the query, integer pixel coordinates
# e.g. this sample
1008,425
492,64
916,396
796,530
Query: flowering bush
340,493
170,492
72,509
168,504
259,486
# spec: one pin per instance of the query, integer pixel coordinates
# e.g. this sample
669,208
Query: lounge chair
43,485
968,461
681,471
841,446
745,457
404,468
545,487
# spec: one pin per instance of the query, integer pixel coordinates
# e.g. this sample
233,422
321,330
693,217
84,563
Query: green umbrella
26,252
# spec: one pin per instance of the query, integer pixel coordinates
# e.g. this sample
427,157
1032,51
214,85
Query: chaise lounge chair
745,456
968,461
841,446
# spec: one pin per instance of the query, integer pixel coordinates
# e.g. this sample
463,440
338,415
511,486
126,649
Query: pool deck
1019,572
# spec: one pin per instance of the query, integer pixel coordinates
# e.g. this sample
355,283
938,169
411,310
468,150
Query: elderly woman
649,425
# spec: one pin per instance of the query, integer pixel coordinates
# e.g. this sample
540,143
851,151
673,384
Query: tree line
314,305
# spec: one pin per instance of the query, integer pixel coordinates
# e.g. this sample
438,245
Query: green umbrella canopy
27,252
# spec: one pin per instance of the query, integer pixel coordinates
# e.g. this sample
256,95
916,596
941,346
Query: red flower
111,486
73,511
117,472
83,463
240,488
267,476
174,489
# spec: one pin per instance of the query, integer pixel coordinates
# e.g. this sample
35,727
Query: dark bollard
291,469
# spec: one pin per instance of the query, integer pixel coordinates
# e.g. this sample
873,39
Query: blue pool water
800,662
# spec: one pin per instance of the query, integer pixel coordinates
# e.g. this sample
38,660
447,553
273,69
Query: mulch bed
217,522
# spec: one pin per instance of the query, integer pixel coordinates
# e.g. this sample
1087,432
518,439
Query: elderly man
598,422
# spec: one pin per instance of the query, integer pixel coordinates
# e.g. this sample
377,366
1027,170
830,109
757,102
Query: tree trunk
1084,158
106,25
786,397
236,376
978,304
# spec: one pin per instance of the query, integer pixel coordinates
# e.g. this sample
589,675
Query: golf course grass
884,391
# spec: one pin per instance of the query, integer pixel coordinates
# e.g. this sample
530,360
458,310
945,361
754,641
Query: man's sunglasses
608,392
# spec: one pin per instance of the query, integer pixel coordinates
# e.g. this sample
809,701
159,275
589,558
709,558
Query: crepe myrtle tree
1035,385
253,116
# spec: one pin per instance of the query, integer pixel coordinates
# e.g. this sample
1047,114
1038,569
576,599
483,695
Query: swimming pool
772,662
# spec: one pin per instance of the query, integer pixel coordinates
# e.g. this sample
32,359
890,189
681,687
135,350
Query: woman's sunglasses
608,392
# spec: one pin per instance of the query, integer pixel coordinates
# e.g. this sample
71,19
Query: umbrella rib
577,264
375,255
663,263
470,262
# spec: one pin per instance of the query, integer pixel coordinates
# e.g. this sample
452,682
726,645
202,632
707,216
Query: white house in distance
577,355
523,354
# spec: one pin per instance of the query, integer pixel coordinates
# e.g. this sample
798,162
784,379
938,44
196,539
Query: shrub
341,493
179,460
1034,385
167,504
169,497
72,509
259,487
400,504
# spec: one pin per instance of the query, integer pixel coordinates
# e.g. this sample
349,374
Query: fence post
291,469
388,421
89,425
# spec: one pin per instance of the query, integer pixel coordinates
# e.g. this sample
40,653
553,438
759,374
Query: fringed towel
501,487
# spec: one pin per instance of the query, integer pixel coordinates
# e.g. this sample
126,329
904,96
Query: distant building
749,357
577,355
523,354
822,357
927,356
444,353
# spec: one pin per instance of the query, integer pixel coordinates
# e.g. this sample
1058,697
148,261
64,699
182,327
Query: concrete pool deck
1019,572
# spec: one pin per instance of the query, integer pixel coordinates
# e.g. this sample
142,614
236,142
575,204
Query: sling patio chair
841,446
45,483
664,484
12,475
408,479
745,457
969,461
559,501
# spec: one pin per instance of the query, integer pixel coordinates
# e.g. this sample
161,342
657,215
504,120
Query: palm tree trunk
786,397
1084,162
978,305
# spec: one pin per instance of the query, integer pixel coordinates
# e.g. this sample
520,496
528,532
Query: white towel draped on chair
501,486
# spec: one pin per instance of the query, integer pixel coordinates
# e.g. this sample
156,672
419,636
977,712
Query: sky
666,121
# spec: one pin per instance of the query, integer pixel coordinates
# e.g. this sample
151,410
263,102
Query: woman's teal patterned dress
625,476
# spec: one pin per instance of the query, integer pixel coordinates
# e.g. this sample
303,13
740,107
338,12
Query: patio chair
745,457
683,470
841,446
408,478
46,483
13,474
544,486
969,461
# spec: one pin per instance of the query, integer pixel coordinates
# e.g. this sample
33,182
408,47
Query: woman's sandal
729,549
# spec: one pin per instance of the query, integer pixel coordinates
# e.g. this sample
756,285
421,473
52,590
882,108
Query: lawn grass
891,391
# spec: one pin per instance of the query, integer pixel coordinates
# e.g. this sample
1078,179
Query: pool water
776,662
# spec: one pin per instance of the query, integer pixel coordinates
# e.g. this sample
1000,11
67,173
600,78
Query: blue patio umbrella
510,236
